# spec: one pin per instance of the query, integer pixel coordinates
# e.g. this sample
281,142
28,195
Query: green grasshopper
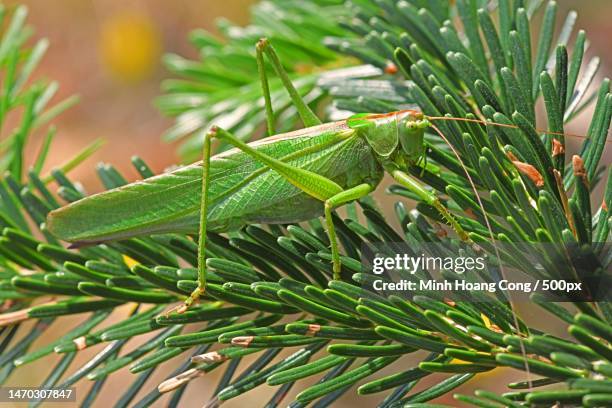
287,178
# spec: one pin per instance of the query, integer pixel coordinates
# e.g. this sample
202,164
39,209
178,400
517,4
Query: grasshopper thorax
393,134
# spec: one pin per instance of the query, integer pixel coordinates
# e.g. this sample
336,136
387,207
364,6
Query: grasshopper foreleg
430,198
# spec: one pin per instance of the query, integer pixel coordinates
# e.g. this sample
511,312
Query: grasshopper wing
165,203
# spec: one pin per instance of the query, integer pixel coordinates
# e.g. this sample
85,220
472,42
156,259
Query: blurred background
109,53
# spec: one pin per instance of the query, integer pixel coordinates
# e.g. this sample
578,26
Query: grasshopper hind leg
306,114
323,189
265,86
308,117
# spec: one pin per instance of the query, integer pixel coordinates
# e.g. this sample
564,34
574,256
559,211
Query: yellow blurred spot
486,320
129,46
130,263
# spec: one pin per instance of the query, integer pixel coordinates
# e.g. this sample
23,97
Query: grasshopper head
386,132
411,131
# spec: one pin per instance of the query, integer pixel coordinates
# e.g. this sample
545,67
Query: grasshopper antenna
488,122
492,235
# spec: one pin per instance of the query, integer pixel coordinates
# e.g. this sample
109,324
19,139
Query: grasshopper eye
413,125
424,123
